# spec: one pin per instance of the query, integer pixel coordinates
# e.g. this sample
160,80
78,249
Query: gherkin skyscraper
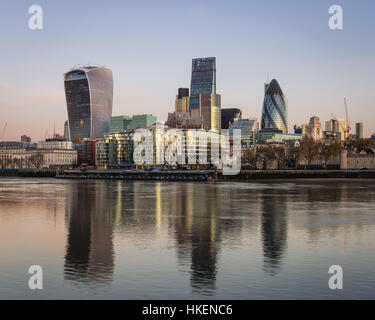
274,113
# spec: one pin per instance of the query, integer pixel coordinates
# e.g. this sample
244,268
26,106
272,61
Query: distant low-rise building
54,152
25,138
183,120
55,144
86,151
120,123
9,145
361,161
300,130
267,135
37,158
56,157
248,129
143,121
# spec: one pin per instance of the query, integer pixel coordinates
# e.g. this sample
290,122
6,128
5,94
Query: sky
149,46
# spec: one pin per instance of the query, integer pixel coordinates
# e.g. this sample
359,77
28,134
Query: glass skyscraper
66,131
120,123
359,130
182,100
89,96
211,111
203,80
248,129
228,115
143,121
274,113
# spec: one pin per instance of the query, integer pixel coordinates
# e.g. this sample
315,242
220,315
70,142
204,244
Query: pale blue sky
149,46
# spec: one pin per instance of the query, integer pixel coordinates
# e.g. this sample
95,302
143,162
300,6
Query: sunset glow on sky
149,46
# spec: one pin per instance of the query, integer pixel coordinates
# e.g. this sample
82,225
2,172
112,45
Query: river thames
100,239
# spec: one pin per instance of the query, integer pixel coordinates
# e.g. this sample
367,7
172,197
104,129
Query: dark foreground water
172,240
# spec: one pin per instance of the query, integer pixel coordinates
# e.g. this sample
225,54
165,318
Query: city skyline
312,62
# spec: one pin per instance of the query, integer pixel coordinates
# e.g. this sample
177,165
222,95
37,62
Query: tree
309,150
269,153
329,151
249,157
280,156
260,156
293,156
360,144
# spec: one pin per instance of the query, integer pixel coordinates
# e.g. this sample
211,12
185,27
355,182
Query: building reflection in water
89,252
196,221
274,229
201,220
330,211
197,216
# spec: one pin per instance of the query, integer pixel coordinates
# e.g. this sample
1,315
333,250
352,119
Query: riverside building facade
160,146
37,158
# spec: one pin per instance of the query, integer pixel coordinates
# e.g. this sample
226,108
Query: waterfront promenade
190,175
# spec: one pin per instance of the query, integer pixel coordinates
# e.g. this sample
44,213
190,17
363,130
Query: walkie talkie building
274,113
89,97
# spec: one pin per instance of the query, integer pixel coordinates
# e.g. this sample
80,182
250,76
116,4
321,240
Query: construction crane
340,125
347,131
3,132
346,128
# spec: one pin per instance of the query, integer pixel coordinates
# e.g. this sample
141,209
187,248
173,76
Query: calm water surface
173,240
